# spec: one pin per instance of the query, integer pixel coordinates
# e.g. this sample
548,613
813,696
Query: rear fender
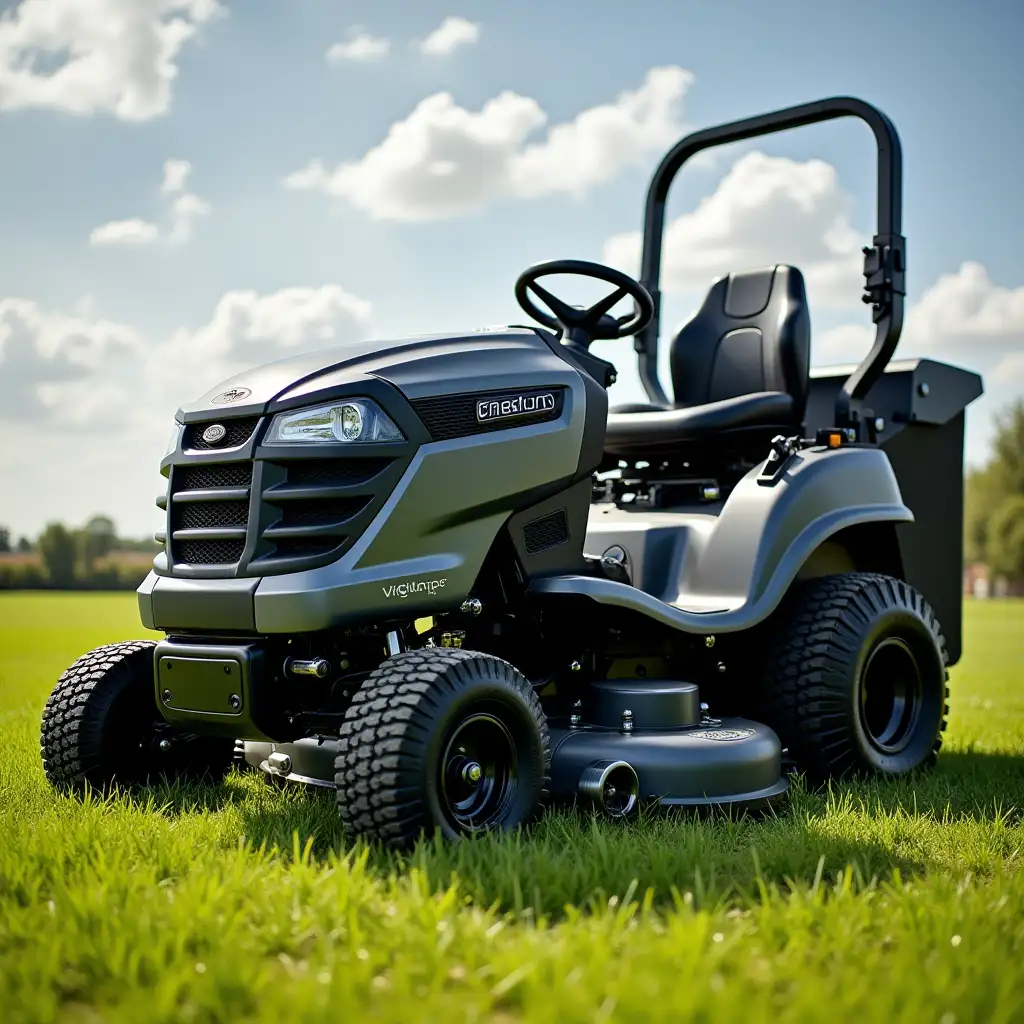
731,571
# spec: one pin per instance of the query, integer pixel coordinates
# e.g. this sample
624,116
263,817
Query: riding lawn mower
440,577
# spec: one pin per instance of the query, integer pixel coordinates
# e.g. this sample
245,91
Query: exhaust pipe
317,668
612,786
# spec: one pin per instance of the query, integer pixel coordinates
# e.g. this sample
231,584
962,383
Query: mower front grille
284,511
207,515
456,415
209,552
238,432
547,532
201,478
335,472
333,511
223,506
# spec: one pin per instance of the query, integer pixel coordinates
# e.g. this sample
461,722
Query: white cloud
1009,373
452,33
133,231
599,142
248,329
360,46
42,349
176,173
765,210
963,317
110,56
444,160
61,372
184,210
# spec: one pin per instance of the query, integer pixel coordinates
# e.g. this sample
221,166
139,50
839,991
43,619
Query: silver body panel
726,568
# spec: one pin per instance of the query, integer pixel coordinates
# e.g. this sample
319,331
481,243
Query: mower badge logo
215,433
722,735
414,587
503,407
234,395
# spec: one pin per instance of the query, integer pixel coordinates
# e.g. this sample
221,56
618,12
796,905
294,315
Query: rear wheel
441,738
856,677
101,726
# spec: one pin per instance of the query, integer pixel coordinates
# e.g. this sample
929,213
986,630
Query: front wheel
856,677
441,739
101,726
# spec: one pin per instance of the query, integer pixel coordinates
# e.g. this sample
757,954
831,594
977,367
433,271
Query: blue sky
102,336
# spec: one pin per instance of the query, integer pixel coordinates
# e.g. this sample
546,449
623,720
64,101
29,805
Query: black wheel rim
891,694
479,773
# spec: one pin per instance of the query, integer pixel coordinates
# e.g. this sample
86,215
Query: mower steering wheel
583,326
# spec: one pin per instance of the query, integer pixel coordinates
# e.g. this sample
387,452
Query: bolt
227,670
344,664
923,390
703,708
574,666
575,721
471,772
612,378
627,720
165,745
472,606
879,424
167,696
709,641
235,701
721,666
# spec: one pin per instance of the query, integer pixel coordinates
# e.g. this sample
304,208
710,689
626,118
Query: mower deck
731,762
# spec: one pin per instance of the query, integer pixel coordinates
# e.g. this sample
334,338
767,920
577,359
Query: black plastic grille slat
197,478
210,514
456,415
546,532
321,512
319,523
209,552
238,432
302,547
335,472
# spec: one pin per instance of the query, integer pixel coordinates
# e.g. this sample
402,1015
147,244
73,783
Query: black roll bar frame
884,260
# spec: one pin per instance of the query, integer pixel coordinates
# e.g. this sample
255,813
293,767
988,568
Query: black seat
741,363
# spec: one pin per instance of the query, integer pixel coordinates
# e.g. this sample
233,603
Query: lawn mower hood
276,526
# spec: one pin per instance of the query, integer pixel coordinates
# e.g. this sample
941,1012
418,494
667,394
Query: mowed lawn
886,902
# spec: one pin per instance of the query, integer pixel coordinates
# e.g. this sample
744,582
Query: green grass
888,902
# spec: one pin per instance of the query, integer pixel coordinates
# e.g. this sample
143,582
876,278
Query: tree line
90,557
994,501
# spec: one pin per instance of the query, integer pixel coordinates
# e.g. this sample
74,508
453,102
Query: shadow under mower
439,576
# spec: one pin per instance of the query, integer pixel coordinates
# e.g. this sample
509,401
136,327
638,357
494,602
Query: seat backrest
753,333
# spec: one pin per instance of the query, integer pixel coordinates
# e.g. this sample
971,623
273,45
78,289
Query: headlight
356,419
172,445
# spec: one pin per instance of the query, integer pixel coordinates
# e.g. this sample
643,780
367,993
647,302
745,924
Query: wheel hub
890,695
479,772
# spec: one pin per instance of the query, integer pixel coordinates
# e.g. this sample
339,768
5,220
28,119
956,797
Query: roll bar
884,260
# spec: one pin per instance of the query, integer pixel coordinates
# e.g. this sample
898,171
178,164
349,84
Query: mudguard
726,568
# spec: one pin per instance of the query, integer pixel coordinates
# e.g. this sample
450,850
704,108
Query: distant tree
96,541
24,545
5,540
1006,538
57,549
994,500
